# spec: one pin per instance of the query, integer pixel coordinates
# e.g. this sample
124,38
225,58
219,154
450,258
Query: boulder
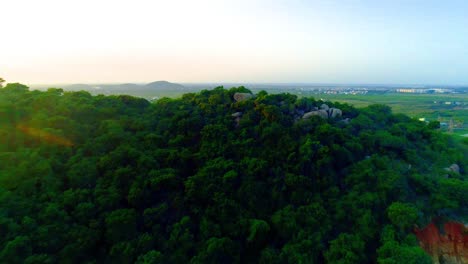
237,117
309,114
242,96
322,113
324,107
334,112
237,114
237,120
453,168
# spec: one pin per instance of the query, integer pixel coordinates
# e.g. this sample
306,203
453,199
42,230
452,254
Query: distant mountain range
149,90
153,86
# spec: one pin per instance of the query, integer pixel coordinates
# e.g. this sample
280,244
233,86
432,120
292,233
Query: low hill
164,85
148,91
224,176
79,87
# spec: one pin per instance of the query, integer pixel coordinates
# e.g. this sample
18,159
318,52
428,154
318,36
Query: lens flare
45,136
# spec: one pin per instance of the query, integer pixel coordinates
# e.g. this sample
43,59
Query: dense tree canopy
116,179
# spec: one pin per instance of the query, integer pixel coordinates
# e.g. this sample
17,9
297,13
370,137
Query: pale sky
99,41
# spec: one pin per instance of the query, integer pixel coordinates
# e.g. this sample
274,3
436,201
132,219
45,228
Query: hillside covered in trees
209,179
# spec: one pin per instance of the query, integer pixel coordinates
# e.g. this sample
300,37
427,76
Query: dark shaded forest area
208,179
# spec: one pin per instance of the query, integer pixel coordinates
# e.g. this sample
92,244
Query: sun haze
91,41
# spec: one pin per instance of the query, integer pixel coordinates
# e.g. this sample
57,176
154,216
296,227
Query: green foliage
151,257
258,231
120,225
116,179
393,252
217,250
16,250
402,215
346,248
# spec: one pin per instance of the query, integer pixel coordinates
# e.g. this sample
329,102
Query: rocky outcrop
237,117
321,113
242,96
237,114
453,168
324,107
334,113
449,245
325,112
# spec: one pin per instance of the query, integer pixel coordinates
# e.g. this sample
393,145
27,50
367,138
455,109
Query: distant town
360,90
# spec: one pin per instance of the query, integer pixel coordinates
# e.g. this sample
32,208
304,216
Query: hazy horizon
255,84
326,42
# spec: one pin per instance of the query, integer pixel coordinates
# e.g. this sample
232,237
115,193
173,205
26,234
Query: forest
207,178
